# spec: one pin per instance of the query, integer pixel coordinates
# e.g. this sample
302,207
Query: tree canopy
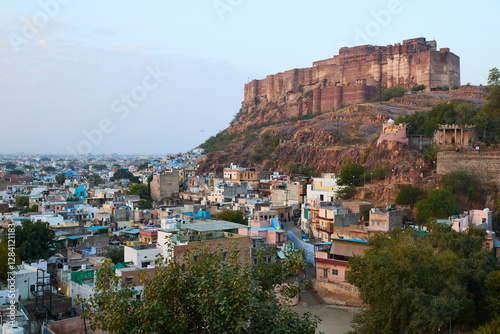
418,284
49,169
212,292
233,216
94,178
60,178
116,255
351,174
139,189
122,174
144,204
34,240
439,203
23,200
408,195
143,165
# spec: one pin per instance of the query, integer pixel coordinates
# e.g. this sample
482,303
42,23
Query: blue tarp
75,237
95,228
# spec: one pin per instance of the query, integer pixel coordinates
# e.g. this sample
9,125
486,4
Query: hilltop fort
353,76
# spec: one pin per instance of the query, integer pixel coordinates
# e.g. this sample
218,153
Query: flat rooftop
214,225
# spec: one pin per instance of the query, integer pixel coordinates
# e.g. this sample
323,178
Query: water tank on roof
486,210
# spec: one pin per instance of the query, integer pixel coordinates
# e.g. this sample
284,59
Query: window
195,257
335,272
128,280
224,255
325,273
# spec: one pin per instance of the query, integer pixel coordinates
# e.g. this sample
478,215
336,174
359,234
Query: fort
353,76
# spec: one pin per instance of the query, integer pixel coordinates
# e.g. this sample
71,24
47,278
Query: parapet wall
486,165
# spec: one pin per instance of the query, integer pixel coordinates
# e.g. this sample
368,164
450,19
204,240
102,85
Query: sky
155,77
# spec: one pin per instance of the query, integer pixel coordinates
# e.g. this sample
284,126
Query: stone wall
73,326
338,293
486,165
414,62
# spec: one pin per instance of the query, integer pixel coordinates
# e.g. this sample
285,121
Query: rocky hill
323,140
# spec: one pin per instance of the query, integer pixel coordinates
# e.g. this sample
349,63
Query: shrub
346,193
408,195
417,88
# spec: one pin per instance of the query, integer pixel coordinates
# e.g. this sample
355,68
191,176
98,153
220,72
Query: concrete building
175,241
270,230
330,216
229,191
451,136
332,258
52,220
385,220
165,185
287,193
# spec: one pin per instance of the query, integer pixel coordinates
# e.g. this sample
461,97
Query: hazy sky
162,76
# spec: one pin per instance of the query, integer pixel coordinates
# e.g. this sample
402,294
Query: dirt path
333,320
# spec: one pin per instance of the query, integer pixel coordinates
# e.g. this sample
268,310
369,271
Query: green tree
389,93
346,193
144,165
23,201
10,165
233,216
34,240
4,260
462,183
49,169
94,178
139,189
292,167
417,88
33,208
418,284
122,174
17,172
408,195
494,77
144,204
115,254
213,292
99,166
351,174
60,178
440,204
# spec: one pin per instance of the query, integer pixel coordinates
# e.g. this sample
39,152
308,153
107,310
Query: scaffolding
43,303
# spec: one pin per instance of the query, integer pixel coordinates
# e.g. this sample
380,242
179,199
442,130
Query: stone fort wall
355,74
486,165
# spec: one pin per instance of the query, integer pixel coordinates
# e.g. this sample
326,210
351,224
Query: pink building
392,132
477,218
267,229
332,258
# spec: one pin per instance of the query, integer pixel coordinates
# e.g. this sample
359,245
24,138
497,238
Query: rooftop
214,225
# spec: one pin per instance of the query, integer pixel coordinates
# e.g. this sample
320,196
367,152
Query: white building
53,219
